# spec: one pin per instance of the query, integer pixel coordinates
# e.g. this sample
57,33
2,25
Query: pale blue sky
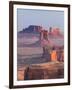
46,18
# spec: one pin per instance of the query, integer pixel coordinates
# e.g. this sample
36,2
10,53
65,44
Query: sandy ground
29,55
29,50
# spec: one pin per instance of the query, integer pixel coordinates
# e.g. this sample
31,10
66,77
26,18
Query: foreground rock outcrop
50,70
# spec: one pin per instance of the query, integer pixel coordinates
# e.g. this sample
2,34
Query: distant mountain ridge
30,37
31,29
34,29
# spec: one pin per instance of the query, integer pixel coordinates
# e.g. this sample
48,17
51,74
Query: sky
44,18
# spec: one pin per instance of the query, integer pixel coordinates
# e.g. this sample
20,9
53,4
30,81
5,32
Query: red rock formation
55,32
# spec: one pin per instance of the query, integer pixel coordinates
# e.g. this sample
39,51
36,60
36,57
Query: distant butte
37,29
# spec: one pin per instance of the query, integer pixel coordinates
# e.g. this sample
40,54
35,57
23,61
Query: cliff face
50,70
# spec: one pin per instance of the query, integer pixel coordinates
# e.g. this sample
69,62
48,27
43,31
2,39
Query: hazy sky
45,18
